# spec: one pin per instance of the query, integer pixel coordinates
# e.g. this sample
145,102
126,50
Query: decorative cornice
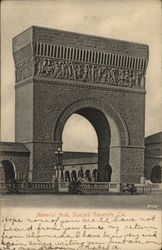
73,54
48,142
66,38
75,84
154,157
128,146
36,34
24,82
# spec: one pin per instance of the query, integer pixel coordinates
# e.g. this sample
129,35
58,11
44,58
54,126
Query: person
81,173
89,177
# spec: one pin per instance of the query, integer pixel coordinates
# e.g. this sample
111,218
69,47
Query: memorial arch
60,73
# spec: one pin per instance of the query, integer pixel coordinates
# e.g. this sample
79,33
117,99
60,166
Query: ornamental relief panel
24,70
83,72
62,69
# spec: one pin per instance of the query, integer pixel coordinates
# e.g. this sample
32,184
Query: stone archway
155,175
60,73
9,171
110,128
109,111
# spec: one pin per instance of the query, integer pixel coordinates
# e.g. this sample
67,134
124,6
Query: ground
140,201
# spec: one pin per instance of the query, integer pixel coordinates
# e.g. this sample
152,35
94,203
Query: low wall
84,188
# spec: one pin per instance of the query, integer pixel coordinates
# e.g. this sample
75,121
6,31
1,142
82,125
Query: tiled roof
155,138
79,158
13,147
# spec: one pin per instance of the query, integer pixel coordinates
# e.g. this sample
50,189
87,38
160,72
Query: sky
131,20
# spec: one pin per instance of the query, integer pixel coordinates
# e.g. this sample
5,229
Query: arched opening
110,129
73,175
9,171
156,174
100,126
79,135
67,175
88,175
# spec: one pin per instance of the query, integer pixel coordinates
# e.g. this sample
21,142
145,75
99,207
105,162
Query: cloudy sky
132,20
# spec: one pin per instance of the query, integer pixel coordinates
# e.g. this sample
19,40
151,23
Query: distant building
153,157
15,163
78,163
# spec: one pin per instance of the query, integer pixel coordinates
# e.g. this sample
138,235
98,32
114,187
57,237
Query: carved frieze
62,69
83,72
24,70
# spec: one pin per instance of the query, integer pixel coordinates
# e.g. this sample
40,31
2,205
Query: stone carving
62,69
89,73
24,70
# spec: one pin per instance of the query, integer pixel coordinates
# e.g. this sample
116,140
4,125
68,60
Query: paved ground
147,201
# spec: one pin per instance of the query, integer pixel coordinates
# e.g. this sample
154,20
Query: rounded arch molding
106,108
4,162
